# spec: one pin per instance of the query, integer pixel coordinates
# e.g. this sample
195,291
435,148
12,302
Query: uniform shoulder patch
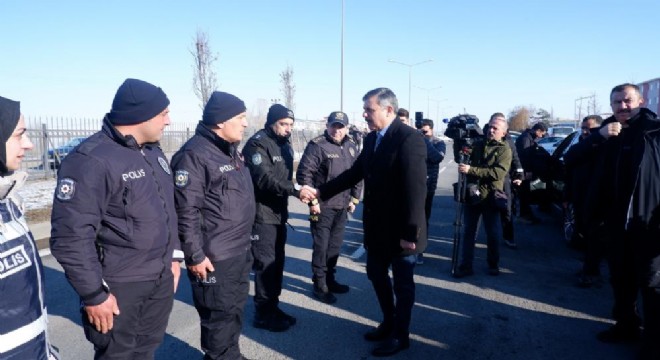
318,139
66,189
256,159
352,151
163,163
181,178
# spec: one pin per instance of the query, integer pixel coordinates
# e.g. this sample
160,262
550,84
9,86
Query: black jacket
533,157
516,170
113,214
435,153
625,189
270,160
394,189
322,161
214,198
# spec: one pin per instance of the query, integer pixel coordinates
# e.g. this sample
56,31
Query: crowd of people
125,218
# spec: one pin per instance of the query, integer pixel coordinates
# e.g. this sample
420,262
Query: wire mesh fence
55,137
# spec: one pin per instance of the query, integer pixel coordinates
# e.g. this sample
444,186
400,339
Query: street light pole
428,97
410,66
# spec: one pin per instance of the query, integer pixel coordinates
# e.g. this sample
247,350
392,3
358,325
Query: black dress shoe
391,347
380,333
337,288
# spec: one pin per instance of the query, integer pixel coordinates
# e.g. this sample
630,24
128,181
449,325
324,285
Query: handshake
308,194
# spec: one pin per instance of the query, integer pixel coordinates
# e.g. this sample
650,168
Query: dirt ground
38,215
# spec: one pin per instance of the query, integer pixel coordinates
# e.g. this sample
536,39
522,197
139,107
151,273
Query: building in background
651,92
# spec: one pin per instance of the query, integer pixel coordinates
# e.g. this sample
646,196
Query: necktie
378,139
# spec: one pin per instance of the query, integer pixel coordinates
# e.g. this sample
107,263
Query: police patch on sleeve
163,163
181,178
256,159
66,188
352,151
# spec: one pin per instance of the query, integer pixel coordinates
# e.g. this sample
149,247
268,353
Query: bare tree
288,87
519,118
204,79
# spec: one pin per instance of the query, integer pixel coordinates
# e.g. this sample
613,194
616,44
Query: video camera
463,129
419,116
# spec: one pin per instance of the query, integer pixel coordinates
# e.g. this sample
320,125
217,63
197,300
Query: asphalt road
533,310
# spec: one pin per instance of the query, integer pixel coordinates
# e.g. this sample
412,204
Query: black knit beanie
137,101
10,113
221,107
278,112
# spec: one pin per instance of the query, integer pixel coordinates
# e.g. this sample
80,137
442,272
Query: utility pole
578,110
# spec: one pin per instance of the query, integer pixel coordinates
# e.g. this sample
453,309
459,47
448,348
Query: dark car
557,168
56,155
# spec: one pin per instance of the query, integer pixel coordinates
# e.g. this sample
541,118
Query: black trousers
395,314
328,236
506,216
140,327
268,253
219,301
623,277
472,216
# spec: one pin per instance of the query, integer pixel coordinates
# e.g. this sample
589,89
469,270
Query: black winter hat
221,107
137,101
278,112
10,113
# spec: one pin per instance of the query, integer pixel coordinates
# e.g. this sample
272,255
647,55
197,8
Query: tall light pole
437,109
428,97
341,91
410,66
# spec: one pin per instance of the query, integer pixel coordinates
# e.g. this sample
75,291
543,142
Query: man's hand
176,271
351,207
611,129
101,315
315,209
407,245
517,182
463,168
307,194
200,270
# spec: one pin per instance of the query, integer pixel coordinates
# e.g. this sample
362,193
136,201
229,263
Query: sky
67,58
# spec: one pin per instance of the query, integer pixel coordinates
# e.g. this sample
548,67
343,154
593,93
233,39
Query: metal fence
48,134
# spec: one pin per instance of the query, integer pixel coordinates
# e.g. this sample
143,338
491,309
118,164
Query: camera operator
435,153
491,160
512,182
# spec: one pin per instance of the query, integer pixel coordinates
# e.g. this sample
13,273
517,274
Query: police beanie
137,101
221,107
278,112
10,113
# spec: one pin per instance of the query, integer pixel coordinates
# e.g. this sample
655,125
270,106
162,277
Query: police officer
269,156
114,227
325,157
23,315
215,203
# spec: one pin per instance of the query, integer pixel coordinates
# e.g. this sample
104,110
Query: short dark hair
403,113
540,126
596,118
427,122
622,87
496,115
385,97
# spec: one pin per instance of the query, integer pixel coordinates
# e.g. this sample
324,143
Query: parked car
514,135
550,143
557,168
561,130
56,155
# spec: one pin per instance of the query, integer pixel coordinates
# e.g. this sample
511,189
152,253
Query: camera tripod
461,189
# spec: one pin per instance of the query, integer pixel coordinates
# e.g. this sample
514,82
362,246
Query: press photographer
485,163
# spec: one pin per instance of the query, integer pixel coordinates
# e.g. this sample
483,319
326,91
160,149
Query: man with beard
625,197
114,226
269,156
